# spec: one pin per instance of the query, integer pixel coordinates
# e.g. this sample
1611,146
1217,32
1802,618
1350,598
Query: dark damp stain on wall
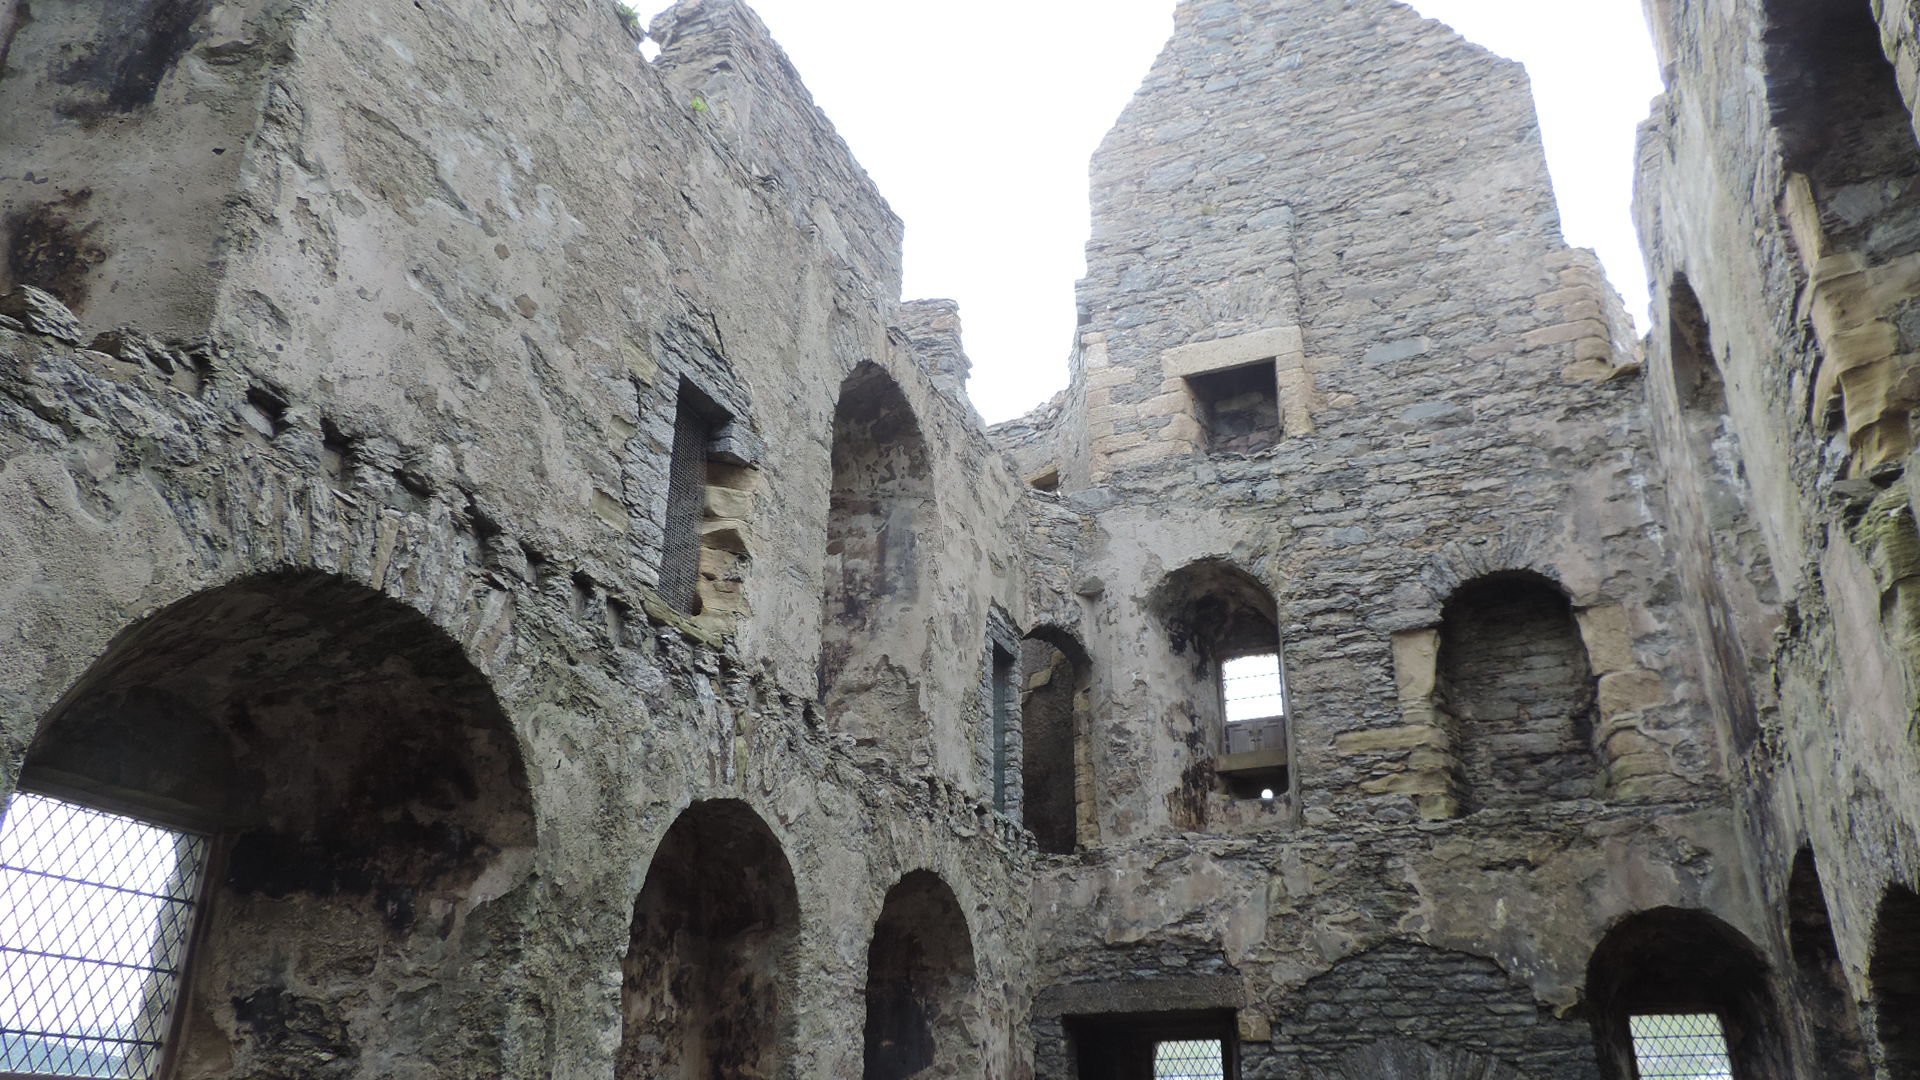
137,45
48,248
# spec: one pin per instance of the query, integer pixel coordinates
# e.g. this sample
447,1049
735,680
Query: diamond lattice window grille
1189,1059
1687,1046
95,912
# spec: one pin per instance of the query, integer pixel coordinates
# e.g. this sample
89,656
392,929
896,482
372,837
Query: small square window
95,914
1238,407
1687,1046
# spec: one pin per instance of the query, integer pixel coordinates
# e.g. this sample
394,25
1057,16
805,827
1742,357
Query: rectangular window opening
1253,688
695,420
1190,1059
96,911
1239,408
1253,699
1685,1046
1004,667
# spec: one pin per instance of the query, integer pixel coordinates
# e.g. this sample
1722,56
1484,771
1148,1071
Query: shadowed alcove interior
366,800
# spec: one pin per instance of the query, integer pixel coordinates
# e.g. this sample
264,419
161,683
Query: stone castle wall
348,355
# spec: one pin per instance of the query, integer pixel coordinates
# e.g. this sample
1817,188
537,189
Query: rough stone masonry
489,486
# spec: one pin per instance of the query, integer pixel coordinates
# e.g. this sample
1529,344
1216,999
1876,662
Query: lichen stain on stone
47,248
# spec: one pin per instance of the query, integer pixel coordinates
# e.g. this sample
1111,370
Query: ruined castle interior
496,582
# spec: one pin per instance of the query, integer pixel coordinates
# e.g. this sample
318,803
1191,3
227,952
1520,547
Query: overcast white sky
977,121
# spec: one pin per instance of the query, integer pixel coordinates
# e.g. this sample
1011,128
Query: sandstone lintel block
1226,353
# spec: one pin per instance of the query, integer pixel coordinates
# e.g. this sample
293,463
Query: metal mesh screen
95,912
1253,688
1003,704
1691,1047
1189,1059
686,500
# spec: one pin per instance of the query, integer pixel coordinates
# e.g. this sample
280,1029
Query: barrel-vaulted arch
363,797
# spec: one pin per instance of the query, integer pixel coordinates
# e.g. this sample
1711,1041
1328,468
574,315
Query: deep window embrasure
1004,704
1239,408
96,911
695,420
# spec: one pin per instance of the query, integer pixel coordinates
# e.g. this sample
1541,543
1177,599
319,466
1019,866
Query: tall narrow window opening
96,911
1709,486
1004,702
880,505
1056,792
695,420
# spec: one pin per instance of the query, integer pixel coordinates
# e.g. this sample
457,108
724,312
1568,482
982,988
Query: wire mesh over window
95,912
1253,688
1189,1059
686,501
1688,1046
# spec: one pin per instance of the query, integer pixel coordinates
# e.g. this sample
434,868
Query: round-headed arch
923,1017
358,782
707,979
1682,961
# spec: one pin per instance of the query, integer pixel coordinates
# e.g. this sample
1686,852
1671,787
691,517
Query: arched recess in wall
881,506
1819,980
1056,721
1680,962
329,777
1223,624
1724,540
1516,688
1853,202
1893,982
923,1018
707,981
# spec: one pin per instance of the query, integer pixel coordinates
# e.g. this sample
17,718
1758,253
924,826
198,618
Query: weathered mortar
354,527
1776,218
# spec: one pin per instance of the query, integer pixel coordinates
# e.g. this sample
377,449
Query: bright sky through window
1252,688
95,911
1189,1059
1680,1046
